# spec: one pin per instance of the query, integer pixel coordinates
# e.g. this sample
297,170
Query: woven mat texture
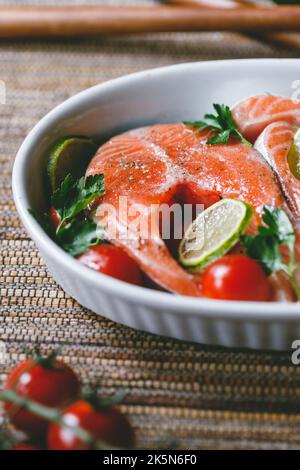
201,397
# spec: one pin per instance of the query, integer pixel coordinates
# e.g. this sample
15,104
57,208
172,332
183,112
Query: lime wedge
294,156
214,232
70,155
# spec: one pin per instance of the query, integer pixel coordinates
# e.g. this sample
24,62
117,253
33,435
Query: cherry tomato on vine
111,260
47,381
106,424
236,277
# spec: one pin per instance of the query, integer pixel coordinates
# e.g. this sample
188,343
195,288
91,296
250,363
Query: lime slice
294,156
214,232
70,155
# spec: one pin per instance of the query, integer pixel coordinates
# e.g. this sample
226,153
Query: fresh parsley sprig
75,233
73,196
265,247
77,236
222,123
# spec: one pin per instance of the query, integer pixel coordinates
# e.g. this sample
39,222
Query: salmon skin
271,122
172,162
274,144
254,114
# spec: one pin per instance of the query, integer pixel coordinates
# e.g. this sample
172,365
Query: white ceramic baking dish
175,93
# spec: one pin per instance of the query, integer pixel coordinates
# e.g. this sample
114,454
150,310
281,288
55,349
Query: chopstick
91,21
284,38
207,3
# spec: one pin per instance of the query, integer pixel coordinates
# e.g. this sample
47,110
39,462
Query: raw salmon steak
274,144
254,114
172,162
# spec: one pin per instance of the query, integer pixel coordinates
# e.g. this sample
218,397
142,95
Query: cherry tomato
52,384
108,425
236,277
111,260
54,218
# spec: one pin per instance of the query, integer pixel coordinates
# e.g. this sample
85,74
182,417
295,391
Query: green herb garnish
223,123
73,196
77,236
265,247
75,233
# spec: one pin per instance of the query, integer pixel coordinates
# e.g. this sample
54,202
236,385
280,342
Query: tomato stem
91,396
6,437
52,415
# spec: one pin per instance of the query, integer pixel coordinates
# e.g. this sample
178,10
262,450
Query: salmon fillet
274,144
254,114
171,162
270,122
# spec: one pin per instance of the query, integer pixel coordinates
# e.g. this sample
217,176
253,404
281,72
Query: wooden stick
286,39
90,21
207,3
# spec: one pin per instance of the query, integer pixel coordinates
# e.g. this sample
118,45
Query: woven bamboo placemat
201,397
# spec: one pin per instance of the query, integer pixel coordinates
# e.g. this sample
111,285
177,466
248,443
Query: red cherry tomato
236,277
54,385
108,425
54,218
111,260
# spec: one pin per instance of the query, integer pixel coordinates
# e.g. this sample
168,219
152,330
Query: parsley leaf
73,196
75,233
221,138
265,247
223,123
265,250
279,225
77,236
